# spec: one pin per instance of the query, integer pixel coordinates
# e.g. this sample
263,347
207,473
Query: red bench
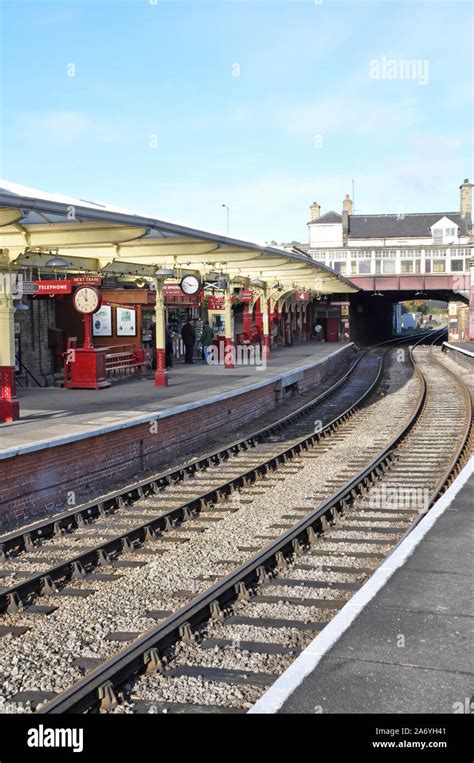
125,360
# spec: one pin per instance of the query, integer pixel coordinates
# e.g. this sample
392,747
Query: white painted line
459,349
148,418
308,660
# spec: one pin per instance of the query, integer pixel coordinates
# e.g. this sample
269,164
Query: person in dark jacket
169,348
189,338
207,337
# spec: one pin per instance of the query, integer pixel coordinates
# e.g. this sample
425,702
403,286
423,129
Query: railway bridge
371,309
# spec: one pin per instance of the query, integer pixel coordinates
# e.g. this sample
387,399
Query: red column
259,315
471,306
161,377
9,405
267,327
247,320
229,338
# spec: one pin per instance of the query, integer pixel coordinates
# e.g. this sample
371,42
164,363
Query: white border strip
308,660
20,450
459,349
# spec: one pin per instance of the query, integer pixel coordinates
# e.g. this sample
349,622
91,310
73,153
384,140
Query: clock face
190,285
87,300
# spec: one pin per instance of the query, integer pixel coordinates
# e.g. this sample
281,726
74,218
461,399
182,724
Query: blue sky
155,118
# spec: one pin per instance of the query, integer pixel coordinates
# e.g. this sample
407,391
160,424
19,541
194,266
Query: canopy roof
95,237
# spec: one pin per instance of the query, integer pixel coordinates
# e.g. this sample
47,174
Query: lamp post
228,217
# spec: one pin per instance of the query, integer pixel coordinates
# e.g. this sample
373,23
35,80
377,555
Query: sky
174,108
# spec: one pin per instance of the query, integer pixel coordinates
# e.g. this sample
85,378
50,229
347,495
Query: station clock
86,300
190,285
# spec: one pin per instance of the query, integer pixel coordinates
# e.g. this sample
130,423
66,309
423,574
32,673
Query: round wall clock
86,300
190,285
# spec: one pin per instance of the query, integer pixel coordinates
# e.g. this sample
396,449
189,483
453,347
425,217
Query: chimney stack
315,211
466,197
347,205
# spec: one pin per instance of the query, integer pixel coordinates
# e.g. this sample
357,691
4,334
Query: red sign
86,280
172,290
215,303
53,287
302,295
245,295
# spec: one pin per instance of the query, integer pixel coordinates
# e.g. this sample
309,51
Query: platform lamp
161,377
57,262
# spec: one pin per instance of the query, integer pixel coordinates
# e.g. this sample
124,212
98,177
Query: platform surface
410,648
50,413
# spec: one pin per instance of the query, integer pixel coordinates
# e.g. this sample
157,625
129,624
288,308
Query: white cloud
66,128
62,126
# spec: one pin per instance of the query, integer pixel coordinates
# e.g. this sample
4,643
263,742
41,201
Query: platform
55,415
424,593
72,445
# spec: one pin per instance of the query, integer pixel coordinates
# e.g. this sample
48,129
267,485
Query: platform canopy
101,238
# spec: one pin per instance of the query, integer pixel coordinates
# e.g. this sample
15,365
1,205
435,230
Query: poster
102,321
126,321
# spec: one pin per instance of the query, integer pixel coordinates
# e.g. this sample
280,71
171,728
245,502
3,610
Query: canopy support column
9,405
471,304
161,377
266,324
228,337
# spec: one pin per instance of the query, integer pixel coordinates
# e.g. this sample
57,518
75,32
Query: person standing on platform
188,336
206,340
169,348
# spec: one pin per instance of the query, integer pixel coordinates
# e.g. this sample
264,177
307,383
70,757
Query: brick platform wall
38,484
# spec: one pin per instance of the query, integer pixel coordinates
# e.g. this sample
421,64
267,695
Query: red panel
411,282
332,329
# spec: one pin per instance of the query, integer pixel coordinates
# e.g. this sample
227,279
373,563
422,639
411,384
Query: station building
402,256
57,253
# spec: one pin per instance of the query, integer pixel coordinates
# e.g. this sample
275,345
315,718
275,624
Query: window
364,266
438,235
340,267
417,266
378,267
353,268
439,266
457,265
389,266
427,266
406,266
450,231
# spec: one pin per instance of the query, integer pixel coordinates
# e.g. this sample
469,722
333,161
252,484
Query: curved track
364,519
154,510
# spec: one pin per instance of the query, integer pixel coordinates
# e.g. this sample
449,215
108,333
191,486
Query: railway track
216,511
43,558
223,648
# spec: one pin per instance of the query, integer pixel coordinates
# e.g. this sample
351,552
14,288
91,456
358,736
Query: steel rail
73,518
460,453
98,688
42,583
